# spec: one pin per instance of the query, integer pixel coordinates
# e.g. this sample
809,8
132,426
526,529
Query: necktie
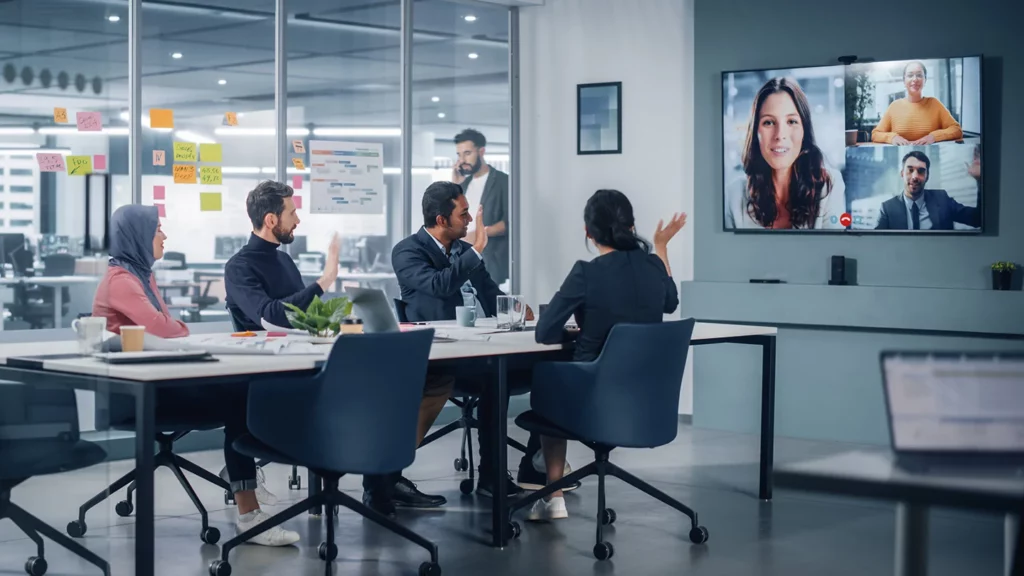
915,217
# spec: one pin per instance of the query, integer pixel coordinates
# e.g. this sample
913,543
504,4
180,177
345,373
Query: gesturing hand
331,264
664,233
480,235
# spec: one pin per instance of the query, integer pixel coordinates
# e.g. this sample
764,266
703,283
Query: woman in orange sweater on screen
917,119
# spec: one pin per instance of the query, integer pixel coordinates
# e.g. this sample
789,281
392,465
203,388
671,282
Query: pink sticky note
50,162
161,210
99,162
89,121
297,200
159,193
297,182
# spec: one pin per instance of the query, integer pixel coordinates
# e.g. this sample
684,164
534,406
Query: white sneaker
276,536
540,466
263,496
544,510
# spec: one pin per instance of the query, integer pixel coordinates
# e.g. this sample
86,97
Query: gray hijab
132,229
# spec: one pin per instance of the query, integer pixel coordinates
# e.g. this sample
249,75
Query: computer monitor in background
348,256
298,246
374,250
227,246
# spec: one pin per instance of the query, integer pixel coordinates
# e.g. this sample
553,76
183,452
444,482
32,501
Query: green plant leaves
320,318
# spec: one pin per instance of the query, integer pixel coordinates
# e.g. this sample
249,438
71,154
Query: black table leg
313,487
499,508
145,436
764,491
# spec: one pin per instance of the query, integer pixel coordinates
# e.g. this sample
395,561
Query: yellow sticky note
60,115
161,118
184,152
231,119
298,163
184,174
79,165
210,175
209,202
210,153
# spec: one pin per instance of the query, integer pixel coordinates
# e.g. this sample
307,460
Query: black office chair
628,397
38,436
202,300
342,421
59,265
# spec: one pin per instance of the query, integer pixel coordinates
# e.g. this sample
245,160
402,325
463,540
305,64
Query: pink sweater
122,301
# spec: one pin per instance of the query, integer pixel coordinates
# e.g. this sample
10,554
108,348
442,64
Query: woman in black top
625,283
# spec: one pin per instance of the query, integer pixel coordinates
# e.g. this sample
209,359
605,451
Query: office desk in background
53,282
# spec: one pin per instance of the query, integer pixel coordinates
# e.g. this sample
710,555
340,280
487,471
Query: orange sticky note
60,115
161,118
184,174
159,158
231,119
298,163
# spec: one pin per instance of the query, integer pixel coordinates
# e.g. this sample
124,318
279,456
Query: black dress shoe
407,496
380,505
485,487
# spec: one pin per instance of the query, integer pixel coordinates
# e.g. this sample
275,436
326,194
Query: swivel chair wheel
210,535
76,529
229,498
35,566
327,551
698,535
220,568
608,517
461,464
430,569
603,551
515,530
466,486
295,483
124,508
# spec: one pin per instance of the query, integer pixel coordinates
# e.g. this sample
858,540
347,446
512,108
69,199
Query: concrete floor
714,472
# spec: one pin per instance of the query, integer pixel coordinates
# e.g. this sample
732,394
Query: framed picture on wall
599,118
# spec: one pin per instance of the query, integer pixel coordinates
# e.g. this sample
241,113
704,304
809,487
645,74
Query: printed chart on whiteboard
346,178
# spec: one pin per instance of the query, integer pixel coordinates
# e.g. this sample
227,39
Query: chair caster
210,535
124,508
295,483
515,530
698,535
229,498
327,551
603,551
461,464
35,566
76,529
466,486
220,568
430,569
608,517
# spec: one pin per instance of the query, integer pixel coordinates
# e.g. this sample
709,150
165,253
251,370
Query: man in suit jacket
920,209
484,185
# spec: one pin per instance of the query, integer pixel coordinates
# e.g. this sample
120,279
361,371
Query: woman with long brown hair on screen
787,184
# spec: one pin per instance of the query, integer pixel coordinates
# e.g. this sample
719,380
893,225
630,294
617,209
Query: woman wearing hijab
128,296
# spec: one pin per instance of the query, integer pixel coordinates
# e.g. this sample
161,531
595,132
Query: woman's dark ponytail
608,217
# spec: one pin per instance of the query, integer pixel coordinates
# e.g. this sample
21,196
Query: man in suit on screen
918,208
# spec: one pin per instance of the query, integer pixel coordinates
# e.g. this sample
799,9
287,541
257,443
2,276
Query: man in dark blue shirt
260,279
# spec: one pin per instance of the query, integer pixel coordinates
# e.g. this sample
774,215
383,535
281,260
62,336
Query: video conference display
880,146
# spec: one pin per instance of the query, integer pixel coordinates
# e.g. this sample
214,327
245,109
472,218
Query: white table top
51,280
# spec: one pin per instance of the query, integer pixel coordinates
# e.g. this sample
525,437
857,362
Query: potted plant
860,93
320,318
1002,275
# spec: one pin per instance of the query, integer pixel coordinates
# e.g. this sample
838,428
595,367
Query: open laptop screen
955,403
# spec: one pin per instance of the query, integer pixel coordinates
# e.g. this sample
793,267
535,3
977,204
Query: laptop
372,306
952,410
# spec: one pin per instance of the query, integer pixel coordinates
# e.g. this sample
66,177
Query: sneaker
485,487
263,496
276,536
531,479
544,510
407,496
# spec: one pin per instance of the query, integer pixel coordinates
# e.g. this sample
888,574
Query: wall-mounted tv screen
880,147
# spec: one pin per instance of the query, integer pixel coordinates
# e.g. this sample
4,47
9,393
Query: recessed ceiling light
222,81
473,55
176,55
470,18
440,114
114,18
435,99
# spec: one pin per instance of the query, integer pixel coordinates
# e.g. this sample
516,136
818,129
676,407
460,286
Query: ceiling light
17,131
240,170
370,132
473,55
235,131
176,55
188,136
222,81
435,99
114,18
470,18
440,114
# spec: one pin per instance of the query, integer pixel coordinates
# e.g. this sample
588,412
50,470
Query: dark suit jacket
432,286
624,286
495,202
942,210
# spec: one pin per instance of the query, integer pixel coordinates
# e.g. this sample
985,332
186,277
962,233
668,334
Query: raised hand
331,264
480,235
664,233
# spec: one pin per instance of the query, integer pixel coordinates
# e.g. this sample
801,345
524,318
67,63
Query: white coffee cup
90,331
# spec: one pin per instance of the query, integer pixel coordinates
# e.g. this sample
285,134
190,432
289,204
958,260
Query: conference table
60,365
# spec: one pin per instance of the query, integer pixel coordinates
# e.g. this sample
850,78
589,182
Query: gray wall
828,381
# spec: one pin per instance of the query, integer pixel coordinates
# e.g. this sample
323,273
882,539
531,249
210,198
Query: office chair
168,431
177,261
342,421
39,435
628,397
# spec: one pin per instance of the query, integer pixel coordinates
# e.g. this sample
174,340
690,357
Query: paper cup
132,338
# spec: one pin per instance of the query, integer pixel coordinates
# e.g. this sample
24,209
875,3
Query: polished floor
715,472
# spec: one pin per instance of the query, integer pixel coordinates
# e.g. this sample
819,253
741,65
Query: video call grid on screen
855,112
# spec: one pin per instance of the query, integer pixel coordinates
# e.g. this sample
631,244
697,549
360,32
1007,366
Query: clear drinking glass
511,313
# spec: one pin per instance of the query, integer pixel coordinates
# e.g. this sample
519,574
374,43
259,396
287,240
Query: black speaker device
838,276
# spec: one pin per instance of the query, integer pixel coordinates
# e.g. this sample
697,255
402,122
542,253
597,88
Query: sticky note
161,118
50,162
184,174
298,201
99,161
184,152
298,147
159,158
161,210
210,175
209,202
210,153
159,193
297,182
60,115
89,121
231,119
298,163
79,165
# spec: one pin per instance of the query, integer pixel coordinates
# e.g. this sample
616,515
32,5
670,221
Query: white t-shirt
475,192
